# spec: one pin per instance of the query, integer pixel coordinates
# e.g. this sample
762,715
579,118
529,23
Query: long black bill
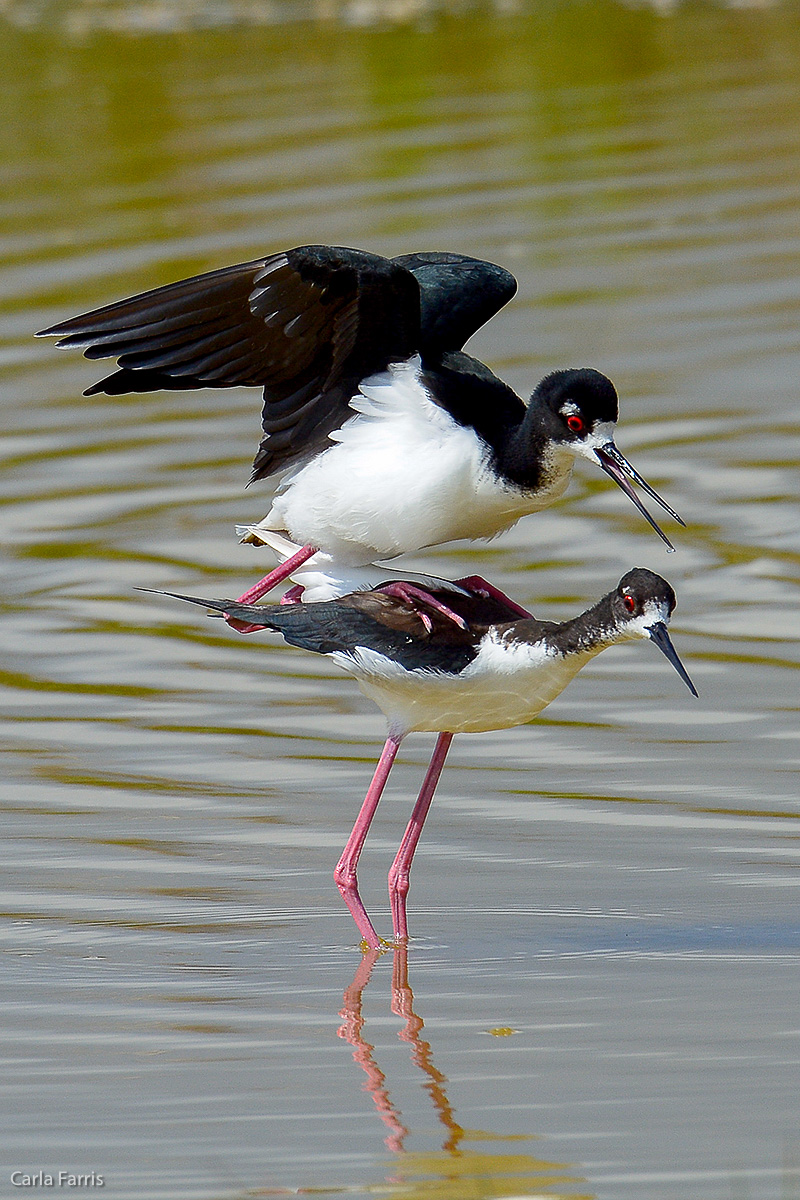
617,466
658,633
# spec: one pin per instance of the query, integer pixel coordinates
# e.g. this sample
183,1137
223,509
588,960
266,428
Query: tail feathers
255,614
321,628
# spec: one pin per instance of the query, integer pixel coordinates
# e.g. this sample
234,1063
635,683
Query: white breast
505,685
401,474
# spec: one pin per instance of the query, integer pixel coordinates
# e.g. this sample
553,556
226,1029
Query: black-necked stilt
428,673
392,439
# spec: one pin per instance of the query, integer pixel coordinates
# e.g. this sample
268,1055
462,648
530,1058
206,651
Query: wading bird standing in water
492,670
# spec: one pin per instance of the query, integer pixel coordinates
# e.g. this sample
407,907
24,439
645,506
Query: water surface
601,997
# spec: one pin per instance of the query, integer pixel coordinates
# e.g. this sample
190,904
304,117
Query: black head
641,607
578,410
641,591
580,403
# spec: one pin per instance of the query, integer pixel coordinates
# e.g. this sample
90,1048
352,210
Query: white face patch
595,439
655,612
570,409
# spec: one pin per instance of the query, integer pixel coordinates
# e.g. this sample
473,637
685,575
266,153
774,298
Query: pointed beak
617,466
659,635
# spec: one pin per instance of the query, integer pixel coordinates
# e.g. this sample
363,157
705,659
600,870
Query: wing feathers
306,324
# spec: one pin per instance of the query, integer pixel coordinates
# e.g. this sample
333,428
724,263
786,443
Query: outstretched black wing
307,325
458,294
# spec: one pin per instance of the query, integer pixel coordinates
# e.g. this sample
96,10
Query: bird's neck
581,638
590,632
530,458
475,398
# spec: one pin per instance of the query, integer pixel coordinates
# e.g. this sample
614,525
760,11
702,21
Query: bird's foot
242,626
415,596
294,595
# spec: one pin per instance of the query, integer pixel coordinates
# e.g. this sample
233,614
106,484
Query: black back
387,624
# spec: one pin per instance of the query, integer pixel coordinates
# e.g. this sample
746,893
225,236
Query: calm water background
607,944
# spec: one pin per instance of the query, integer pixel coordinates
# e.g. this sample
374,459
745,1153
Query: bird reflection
457,1169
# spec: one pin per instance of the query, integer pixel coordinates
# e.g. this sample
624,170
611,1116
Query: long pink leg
277,576
345,873
399,874
267,584
482,587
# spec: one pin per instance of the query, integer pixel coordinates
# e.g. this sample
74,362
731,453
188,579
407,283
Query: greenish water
606,951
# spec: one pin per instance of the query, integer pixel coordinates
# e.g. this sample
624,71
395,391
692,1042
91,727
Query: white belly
501,688
401,475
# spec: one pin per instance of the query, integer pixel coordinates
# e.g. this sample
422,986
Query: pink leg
277,576
410,593
267,584
345,873
475,583
399,881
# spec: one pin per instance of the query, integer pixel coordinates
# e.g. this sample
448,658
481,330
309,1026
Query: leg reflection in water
457,1168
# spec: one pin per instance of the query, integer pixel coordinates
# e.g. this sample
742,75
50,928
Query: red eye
629,603
575,423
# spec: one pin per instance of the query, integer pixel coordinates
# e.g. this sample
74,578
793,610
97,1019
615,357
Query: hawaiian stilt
390,438
434,675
